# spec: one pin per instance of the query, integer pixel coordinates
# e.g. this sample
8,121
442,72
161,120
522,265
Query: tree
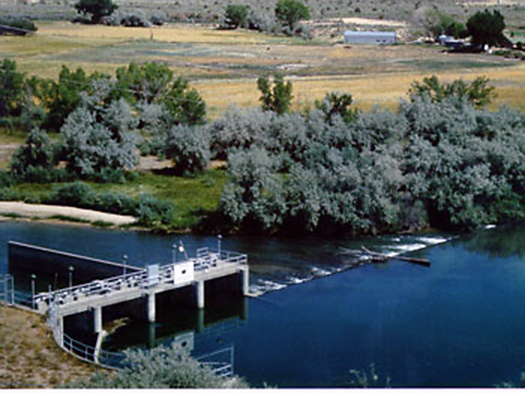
185,105
486,28
278,99
97,8
92,147
477,92
236,16
188,147
291,12
11,88
62,97
336,104
35,160
153,83
147,82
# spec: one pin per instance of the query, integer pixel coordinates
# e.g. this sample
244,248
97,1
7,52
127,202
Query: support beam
200,320
152,331
98,346
151,308
245,282
97,318
199,288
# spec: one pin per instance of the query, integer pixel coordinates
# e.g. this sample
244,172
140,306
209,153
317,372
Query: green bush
236,15
160,368
22,26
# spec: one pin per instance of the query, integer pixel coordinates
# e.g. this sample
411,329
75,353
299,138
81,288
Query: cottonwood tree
236,16
94,144
11,88
34,161
291,12
486,28
188,147
96,8
478,92
277,98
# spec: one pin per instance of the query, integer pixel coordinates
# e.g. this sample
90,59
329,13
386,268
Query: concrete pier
209,265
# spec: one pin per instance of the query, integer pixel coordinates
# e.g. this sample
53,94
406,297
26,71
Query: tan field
224,65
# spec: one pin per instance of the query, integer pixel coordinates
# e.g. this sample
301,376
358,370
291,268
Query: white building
370,37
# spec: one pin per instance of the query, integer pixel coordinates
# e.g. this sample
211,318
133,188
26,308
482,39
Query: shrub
158,18
260,22
135,18
21,26
188,147
161,367
76,194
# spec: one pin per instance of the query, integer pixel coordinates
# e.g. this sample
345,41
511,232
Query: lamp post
219,238
70,275
33,289
125,262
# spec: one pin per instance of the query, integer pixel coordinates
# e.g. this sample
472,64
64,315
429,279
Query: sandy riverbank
39,211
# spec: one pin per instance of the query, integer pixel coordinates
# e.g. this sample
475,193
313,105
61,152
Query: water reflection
498,242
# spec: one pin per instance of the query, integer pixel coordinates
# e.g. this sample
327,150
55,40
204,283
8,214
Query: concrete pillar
200,293
151,307
97,318
200,320
61,325
152,336
245,282
98,346
244,314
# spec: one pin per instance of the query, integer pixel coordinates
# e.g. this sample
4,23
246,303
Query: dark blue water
459,323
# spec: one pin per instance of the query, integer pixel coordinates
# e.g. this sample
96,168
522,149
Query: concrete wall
52,266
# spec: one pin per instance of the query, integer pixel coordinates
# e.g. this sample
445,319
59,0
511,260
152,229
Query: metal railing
206,260
221,361
90,354
7,285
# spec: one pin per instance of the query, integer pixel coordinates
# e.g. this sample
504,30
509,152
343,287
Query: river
457,323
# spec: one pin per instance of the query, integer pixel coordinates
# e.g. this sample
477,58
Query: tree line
441,159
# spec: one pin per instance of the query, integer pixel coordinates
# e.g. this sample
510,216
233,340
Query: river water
457,323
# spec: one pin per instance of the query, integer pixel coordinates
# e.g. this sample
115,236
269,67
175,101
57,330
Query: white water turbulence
389,246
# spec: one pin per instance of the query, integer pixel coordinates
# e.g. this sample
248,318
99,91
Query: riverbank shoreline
10,210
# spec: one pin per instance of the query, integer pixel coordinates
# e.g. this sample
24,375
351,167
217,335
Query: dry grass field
224,65
29,357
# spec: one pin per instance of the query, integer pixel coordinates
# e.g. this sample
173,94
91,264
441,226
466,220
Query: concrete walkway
50,211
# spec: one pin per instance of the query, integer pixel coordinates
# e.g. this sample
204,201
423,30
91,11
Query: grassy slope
192,197
29,356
